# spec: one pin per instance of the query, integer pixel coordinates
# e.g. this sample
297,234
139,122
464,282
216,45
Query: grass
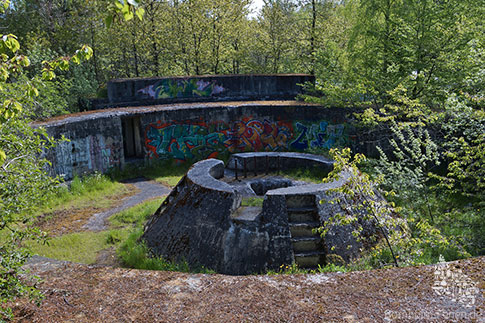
169,176
132,252
126,227
91,191
294,269
167,173
101,191
252,201
81,247
312,175
136,215
135,254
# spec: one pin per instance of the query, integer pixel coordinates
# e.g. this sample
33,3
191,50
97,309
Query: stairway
308,248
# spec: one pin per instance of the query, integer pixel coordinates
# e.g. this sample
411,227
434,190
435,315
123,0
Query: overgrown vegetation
166,172
407,238
91,190
82,247
294,269
133,252
311,174
252,201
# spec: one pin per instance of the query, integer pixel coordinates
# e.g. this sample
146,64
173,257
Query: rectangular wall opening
132,138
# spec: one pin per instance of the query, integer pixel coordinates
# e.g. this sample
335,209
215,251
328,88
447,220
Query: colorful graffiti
320,135
183,88
199,140
255,135
188,140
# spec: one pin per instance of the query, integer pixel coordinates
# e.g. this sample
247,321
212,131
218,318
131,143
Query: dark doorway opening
131,137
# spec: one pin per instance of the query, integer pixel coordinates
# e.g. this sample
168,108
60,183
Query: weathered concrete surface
192,223
149,91
261,186
262,161
94,145
202,222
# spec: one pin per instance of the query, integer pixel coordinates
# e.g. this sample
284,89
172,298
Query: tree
277,25
24,182
359,201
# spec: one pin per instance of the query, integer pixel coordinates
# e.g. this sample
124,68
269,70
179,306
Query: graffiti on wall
318,135
199,140
256,135
184,88
188,140
78,156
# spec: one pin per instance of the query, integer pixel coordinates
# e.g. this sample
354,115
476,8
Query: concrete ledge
316,189
148,91
259,161
206,173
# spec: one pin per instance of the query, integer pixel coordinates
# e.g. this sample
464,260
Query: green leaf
109,20
3,156
139,13
88,52
64,64
11,42
76,59
127,13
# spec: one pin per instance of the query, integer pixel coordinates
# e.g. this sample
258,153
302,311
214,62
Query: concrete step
306,244
299,201
303,229
308,209
309,259
302,217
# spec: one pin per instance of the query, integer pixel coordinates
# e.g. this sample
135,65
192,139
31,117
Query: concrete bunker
203,223
140,124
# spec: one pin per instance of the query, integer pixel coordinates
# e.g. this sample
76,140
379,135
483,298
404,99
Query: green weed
165,172
136,215
90,191
252,201
81,247
312,175
135,254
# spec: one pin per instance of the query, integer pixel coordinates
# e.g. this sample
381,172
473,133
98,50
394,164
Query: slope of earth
450,292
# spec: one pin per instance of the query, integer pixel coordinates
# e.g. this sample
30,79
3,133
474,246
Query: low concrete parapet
271,161
203,88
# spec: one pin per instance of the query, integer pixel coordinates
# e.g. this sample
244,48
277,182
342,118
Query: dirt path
147,190
454,292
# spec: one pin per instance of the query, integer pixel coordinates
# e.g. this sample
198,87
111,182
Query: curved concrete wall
103,139
201,221
203,88
193,224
